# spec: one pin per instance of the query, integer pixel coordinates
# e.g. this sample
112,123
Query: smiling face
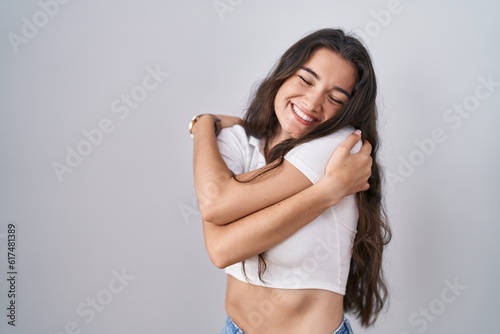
314,94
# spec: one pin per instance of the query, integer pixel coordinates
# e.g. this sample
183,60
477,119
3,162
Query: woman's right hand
346,172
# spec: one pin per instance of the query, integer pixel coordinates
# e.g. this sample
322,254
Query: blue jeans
231,328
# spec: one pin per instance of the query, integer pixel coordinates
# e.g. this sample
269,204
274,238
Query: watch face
191,124
193,120
217,124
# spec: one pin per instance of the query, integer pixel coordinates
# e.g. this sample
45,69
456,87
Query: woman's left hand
228,121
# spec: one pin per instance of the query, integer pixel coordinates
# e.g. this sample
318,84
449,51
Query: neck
274,140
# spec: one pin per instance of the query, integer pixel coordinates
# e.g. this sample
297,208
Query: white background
128,206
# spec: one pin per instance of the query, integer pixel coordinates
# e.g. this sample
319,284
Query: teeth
302,115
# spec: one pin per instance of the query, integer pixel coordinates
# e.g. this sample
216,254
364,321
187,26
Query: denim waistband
344,328
232,328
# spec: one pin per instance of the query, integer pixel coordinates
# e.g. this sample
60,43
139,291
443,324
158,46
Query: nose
314,100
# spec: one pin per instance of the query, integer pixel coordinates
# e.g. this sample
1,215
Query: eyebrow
315,75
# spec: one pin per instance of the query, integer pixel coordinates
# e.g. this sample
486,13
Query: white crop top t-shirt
318,255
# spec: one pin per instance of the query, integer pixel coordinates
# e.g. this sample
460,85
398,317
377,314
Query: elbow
210,211
219,263
219,257
215,202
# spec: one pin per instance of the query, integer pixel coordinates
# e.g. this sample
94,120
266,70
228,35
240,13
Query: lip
299,119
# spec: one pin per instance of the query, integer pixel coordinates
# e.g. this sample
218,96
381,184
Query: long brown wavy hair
366,290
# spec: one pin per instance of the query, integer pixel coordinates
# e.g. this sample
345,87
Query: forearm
266,228
210,171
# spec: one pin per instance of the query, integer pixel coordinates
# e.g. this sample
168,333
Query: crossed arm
237,226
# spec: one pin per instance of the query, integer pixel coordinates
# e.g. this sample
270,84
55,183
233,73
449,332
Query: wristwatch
217,124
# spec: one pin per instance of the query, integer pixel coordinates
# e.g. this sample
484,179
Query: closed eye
335,101
305,81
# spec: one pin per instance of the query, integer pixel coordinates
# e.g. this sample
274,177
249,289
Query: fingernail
358,132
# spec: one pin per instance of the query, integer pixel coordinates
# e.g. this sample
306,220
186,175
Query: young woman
291,199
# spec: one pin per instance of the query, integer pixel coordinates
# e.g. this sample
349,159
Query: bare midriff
261,310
